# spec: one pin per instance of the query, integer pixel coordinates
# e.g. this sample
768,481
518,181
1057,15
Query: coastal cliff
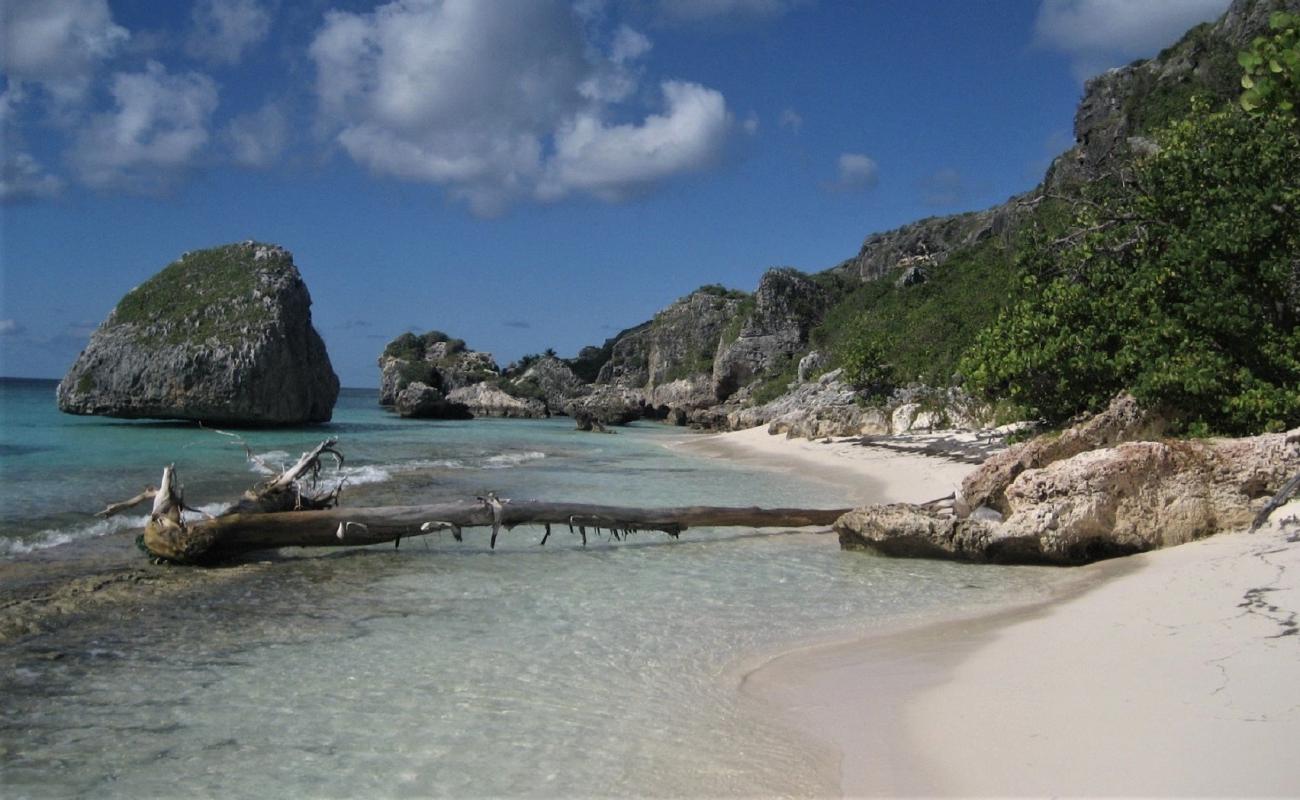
222,335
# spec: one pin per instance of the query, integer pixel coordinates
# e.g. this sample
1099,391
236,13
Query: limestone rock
434,359
222,335
1129,498
485,400
1122,421
555,381
420,401
680,342
608,405
787,306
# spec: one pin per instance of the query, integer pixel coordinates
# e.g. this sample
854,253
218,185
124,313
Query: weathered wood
234,534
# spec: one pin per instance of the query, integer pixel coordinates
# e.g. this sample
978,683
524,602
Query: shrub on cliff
1177,284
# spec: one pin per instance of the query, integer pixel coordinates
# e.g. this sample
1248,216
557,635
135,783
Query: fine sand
1173,673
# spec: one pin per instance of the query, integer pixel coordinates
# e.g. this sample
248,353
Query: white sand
1171,673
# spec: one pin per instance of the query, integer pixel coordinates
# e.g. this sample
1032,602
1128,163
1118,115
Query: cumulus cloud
854,171
158,125
57,44
497,101
1099,34
257,139
221,30
612,161
711,10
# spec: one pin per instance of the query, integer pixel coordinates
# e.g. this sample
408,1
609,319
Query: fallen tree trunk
234,534
280,513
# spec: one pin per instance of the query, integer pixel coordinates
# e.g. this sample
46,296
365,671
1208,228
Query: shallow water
446,669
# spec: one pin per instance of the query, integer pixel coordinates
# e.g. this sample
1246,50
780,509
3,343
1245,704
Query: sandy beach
1171,673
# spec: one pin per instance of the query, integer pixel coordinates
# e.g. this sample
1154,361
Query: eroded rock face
556,382
222,335
1100,503
484,400
679,342
787,306
1124,420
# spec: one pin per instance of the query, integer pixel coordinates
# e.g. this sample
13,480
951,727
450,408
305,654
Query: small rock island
222,335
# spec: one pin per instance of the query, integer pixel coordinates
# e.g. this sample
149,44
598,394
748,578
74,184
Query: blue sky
520,174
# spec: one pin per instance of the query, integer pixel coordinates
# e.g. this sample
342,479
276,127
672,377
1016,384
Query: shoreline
1169,672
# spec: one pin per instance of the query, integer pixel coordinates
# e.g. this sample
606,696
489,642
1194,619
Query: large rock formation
420,401
221,335
1096,503
553,381
786,306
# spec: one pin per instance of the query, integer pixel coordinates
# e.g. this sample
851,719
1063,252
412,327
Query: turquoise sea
440,668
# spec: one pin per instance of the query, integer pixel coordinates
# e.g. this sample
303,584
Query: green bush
1173,286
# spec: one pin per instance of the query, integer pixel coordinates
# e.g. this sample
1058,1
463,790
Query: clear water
440,669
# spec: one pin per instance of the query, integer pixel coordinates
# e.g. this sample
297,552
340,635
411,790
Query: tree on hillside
1181,284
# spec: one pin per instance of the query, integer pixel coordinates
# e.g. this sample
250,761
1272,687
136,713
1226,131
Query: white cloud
257,139
612,161
709,10
22,177
57,44
1099,34
223,29
10,327
158,125
854,171
790,119
470,95
751,124
628,45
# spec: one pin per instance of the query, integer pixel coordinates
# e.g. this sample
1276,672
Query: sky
520,174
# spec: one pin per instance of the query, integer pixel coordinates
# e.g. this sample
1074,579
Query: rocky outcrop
680,342
1124,420
420,401
485,400
1122,106
554,381
919,247
221,335
608,405
434,359
1106,502
786,307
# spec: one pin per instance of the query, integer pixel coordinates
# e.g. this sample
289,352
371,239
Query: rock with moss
418,400
222,335
552,381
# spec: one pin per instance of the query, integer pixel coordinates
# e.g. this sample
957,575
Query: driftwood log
287,511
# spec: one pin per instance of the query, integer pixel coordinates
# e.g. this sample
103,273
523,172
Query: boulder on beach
222,335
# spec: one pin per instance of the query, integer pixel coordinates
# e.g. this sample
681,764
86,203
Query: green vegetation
1152,104
85,383
922,331
412,347
1272,67
205,294
718,290
1179,286
779,377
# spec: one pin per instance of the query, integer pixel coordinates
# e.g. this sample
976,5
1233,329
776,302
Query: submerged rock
221,335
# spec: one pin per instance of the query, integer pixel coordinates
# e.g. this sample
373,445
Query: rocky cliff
784,309
434,359
221,335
